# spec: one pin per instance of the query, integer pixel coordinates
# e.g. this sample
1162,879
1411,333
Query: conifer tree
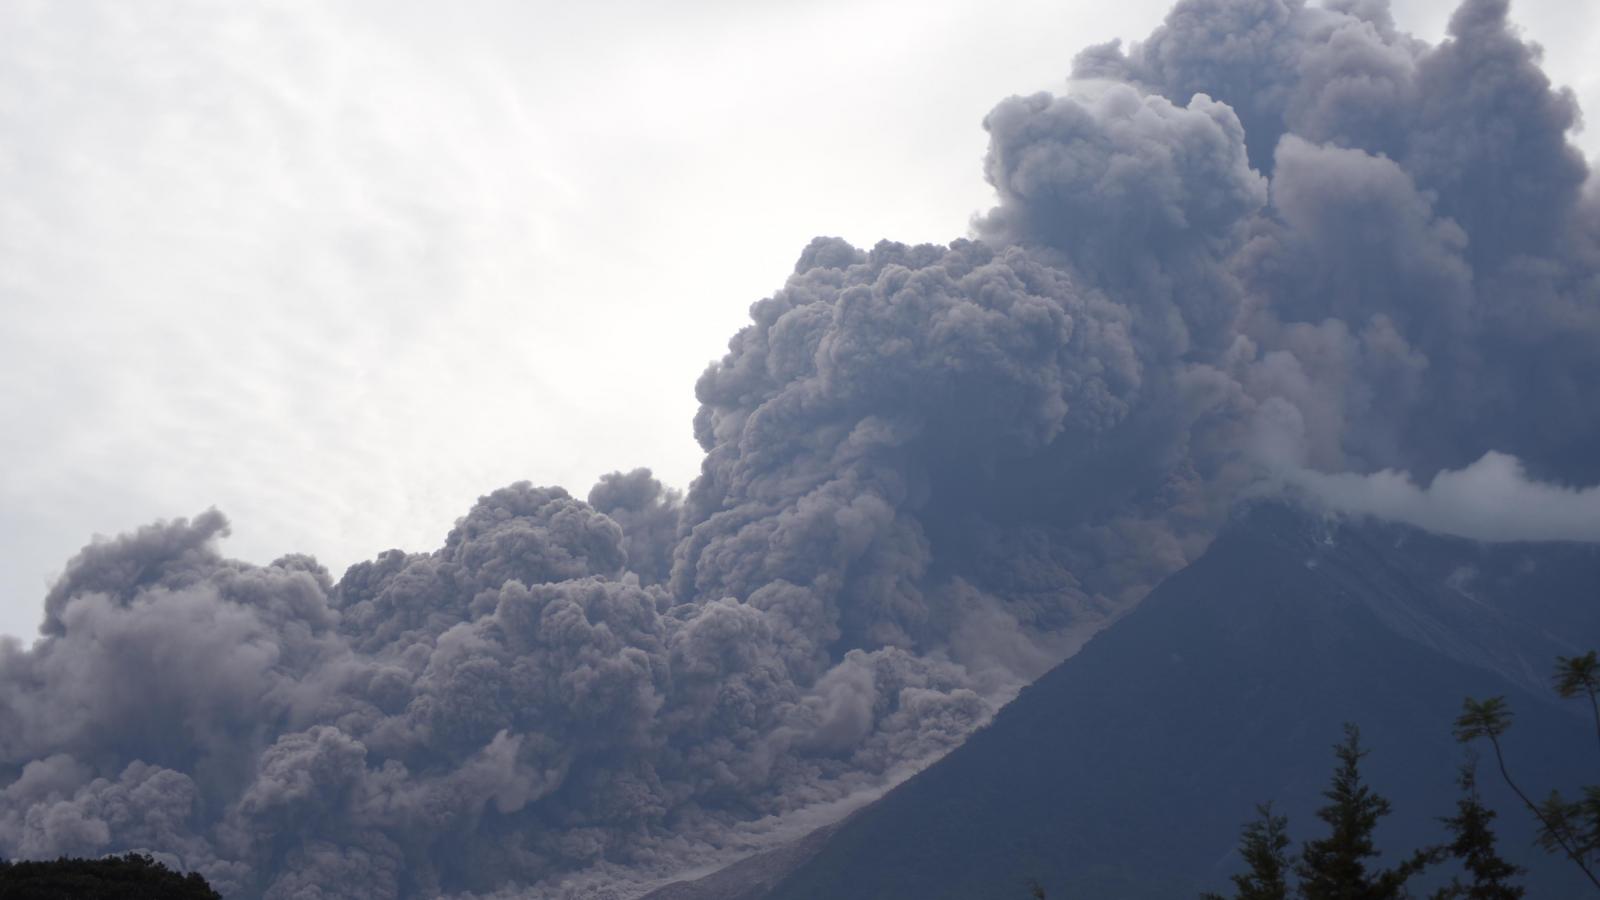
1263,844
1336,867
1473,844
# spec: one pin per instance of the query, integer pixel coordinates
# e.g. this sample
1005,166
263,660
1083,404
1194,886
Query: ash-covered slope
751,876
1126,771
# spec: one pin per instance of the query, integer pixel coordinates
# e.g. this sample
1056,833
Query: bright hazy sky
337,268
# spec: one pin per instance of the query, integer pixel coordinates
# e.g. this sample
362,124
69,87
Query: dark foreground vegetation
1344,864
130,877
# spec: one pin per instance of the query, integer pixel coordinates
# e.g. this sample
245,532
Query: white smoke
1493,499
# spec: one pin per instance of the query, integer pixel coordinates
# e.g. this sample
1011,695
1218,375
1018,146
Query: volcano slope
1126,771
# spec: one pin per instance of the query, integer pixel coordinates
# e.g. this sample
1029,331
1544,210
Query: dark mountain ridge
1127,771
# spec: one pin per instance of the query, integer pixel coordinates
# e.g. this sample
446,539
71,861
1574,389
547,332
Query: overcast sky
337,268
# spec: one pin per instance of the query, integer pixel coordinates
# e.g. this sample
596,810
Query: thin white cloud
1492,499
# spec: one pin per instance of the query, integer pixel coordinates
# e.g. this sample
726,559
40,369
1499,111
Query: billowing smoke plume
1272,242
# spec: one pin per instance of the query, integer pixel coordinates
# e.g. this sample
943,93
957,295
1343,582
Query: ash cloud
1272,237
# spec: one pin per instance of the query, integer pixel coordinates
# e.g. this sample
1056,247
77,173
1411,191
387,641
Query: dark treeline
130,877
1343,865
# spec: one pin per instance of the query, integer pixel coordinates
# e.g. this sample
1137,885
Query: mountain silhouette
1127,771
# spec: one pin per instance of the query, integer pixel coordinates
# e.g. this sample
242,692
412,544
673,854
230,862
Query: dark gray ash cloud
1275,243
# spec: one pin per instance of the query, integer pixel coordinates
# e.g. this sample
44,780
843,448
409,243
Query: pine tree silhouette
1474,845
1337,866
1263,844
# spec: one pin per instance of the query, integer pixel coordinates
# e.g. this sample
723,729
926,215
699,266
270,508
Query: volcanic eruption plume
1272,244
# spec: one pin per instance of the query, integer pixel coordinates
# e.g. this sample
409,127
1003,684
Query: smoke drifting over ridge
1490,500
1270,238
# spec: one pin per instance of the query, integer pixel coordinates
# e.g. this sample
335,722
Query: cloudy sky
339,268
